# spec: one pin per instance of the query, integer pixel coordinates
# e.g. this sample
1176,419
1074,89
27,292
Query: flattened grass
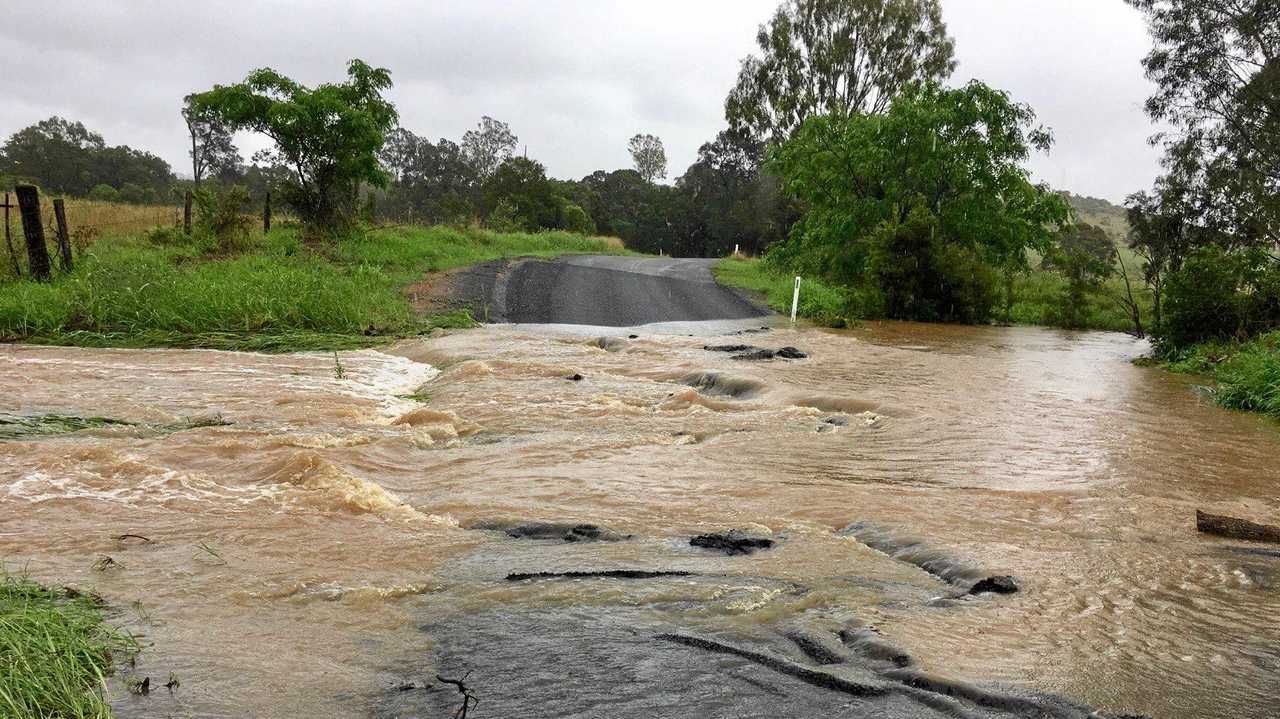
55,652
280,295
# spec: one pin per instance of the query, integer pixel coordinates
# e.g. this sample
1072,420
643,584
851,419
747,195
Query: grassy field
95,220
821,303
163,289
55,652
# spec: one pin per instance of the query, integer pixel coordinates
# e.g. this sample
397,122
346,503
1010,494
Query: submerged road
617,292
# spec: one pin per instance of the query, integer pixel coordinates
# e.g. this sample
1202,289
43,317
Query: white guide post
735,250
795,299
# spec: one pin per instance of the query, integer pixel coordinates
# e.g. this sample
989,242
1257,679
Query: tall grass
55,652
824,304
279,295
1247,374
105,219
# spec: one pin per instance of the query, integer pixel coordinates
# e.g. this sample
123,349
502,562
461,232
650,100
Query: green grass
1038,297
279,295
824,304
55,652
1247,374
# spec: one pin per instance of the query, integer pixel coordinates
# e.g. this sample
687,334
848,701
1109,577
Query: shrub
575,219
220,213
921,277
104,193
1219,294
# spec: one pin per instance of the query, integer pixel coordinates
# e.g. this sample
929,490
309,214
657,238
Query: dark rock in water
995,585
633,337
575,377
791,353
728,348
837,421
602,574
552,530
756,355
731,543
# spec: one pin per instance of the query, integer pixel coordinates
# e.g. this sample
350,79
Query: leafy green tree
1085,256
328,136
522,184
836,57
1216,67
213,150
649,156
434,182
488,146
949,160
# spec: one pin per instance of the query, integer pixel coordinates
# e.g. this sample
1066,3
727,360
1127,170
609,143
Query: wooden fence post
37,251
186,214
64,235
8,240
266,215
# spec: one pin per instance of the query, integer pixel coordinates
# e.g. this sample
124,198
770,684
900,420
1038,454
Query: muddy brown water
314,556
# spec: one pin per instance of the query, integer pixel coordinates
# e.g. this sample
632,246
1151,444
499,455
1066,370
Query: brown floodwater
308,557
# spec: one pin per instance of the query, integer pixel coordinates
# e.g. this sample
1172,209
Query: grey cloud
574,78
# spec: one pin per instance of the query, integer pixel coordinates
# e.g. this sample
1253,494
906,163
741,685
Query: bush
1218,294
220,214
920,277
575,219
132,194
104,193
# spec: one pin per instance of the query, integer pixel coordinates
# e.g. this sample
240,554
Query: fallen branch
468,699
1234,528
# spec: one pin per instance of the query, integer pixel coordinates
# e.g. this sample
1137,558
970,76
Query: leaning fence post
186,213
266,215
64,236
37,251
8,240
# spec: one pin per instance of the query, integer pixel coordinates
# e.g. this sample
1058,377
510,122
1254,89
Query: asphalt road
617,292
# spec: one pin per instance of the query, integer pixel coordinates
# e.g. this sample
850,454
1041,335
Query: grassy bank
1247,375
1037,297
821,303
55,652
279,294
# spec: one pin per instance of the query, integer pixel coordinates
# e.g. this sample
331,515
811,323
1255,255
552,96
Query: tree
399,151
1085,256
213,151
488,146
836,56
937,183
522,184
65,157
649,156
328,136
1216,66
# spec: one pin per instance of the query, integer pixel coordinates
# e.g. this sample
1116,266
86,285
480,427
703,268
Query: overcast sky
574,78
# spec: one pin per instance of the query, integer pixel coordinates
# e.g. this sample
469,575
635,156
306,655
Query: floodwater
317,555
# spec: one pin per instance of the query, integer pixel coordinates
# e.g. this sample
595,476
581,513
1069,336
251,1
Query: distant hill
1100,212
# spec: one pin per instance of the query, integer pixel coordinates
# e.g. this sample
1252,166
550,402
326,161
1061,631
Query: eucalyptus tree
649,156
488,146
213,150
836,57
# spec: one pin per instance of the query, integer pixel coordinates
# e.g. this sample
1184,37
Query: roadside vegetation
273,293
823,304
55,652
